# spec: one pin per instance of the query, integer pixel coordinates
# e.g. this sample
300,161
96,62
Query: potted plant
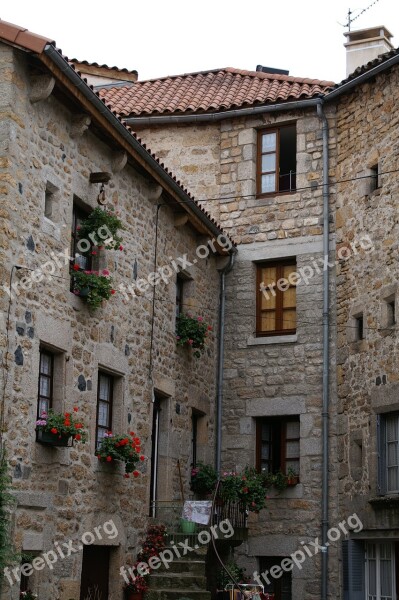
203,479
136,587
154,543
100,220
292,477
192,332
92,285
246,487
56,429
277,480
121,448
187,526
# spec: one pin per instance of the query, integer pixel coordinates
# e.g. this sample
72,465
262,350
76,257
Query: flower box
52,439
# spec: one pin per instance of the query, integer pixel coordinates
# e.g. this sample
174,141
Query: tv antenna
351,18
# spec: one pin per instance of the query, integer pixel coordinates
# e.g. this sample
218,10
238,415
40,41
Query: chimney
365,45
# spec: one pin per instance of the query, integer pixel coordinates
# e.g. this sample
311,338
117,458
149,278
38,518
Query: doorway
95,573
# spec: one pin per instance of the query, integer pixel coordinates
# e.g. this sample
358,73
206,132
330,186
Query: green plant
203,479
277,480
247,487
62,424
7,554
28,595
104,224
123,448
98,287
192,332
237,572
154,543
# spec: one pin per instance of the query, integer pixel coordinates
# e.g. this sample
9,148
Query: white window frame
377,558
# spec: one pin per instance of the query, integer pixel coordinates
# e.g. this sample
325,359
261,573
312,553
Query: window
277,444
179,295
276,169
359,325
380,571
83,260
281,587
388,433
374,178
51,201
276,298
391,313
104,405
46,382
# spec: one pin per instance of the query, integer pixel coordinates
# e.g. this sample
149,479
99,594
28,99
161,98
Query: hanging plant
123,448
101,228
56,428
192,332
92,286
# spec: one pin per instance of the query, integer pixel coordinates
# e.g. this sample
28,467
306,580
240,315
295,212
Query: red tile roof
22,37
220,89
104,67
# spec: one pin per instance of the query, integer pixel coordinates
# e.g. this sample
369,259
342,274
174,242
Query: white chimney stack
365,45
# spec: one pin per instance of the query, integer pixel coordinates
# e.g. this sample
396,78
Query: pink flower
200,319
178,337
105,272
121,248
190,342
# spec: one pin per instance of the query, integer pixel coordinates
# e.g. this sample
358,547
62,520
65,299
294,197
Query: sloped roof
104,67
382,59
22,37
219,89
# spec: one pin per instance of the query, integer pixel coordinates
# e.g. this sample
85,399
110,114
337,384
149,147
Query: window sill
273,339
273,194
291,491
385,501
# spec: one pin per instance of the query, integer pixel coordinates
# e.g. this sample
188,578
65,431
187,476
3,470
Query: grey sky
167,38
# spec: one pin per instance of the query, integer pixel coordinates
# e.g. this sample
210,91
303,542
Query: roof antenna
350,13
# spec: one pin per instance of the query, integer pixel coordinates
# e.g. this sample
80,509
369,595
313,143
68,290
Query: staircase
184,580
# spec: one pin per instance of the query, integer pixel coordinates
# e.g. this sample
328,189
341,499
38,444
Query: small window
359,326
180,281
276,298
104,405
391,313
79,251
280,587
276,169
374,178
277,444
388,428
46,382
50,201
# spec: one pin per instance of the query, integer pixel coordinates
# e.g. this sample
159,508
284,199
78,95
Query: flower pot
291,481
52,439
187,526
133,595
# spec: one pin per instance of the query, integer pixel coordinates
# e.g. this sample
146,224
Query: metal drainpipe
326,330
222,304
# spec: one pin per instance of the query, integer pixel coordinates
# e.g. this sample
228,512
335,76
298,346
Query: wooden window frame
78,213
383,453
180,281
277,463
50,399
109,402
279,309
259,154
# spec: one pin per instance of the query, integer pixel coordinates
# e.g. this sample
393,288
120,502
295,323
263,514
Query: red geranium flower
109,458
76,267
142,457
136,473
78,436
54,430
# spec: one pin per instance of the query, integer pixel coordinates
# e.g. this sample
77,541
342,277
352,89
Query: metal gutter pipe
326,332
219,396
71,74
220,116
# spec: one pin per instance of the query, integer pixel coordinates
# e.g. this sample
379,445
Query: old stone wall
367,373
62,493
272,376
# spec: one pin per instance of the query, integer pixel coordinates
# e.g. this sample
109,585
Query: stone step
180,595
177,581
193,567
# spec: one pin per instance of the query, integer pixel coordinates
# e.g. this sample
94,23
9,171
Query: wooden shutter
381,473
353,559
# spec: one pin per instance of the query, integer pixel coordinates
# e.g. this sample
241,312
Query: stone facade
268,376
63,493
367,373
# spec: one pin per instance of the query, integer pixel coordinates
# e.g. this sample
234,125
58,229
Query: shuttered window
276,298
353,570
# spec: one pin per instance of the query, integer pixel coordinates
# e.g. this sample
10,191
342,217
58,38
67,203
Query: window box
53,439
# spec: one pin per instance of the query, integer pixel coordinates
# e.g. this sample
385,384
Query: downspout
219,396
326,331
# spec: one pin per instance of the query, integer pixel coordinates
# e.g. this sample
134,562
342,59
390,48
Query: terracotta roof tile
220,89
22,37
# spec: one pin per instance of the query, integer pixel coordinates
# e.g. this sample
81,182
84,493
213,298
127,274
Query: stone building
251,145
367,308
61,152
